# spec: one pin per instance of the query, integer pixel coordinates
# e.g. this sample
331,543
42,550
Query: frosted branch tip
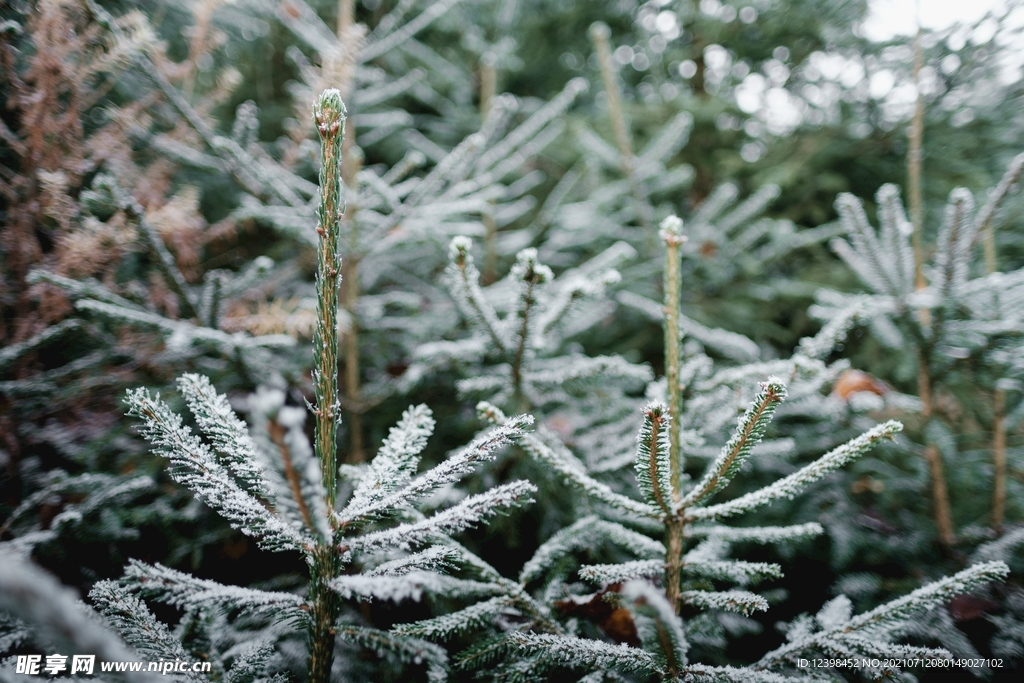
329,113
672,231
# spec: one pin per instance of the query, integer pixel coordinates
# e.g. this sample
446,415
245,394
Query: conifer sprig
749,432
329,115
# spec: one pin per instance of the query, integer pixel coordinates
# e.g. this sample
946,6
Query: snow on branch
436,558
452,520
669,627
396,461
133,620
582,653
483,448
407,650
652,465
872,628
186,591
454,624
410,586
743,602
956,239
572,470
756,534
787,487
226,432
605,574
749,432
464,280
53,612
585,534
194,465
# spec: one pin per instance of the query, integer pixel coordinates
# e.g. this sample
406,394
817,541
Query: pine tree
962,315
658,605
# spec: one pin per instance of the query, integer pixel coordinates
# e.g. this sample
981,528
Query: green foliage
733,427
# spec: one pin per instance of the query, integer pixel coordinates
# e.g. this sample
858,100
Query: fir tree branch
130,616
577,653
572,470
743,602
789,486
891,614
653,467
586,534
53,611
528,275
671,638
749,432
755,534
995,199
464,278
12,352
228,434
449,625
329,116
606,574
185,591
194,466
954,247
408,650
452,469
456,518
395,462
384,43
599,34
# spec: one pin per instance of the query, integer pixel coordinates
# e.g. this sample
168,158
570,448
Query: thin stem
277,434
599,34
329,114
524,331
940,492
488,83
914,156
675,534
999,460
673,238
989,246
346,18
671,234
986,229
913,162
488,88
999,397
352,162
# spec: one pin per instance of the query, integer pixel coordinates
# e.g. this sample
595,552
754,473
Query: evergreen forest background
159,189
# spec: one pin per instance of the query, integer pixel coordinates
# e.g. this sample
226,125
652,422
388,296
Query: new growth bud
458,250
672,231
329,113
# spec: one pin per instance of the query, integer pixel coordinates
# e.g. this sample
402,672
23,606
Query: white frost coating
449,521
194,465
789,486
743,602
605,574
575,652
585,534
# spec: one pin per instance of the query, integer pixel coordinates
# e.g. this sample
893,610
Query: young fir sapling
962,317
225,471
666,597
